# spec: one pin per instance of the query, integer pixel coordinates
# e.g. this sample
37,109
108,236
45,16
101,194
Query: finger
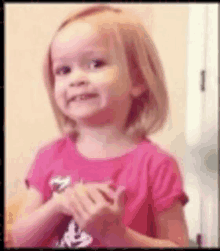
78,205
110,184
81,189
107,195
86,199
70,209
106,184
119,200
87,192
120,197
65,203
59,198
99,196
104,188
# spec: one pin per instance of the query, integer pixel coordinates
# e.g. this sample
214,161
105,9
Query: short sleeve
167,185
37,175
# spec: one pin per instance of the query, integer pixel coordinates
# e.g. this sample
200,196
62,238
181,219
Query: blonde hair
148,112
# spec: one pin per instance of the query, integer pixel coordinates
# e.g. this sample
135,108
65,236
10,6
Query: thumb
111,184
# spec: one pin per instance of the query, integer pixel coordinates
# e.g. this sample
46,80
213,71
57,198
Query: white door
209,150
201,159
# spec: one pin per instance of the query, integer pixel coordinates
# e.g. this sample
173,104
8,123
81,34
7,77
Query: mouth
83,97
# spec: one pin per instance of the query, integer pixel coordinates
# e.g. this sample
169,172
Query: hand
98,209
64,201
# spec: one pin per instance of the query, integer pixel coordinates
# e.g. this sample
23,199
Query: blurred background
186,39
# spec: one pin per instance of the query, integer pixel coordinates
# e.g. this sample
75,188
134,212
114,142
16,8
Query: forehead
78,37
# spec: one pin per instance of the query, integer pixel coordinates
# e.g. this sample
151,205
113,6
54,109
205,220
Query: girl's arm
171,232
36,221
171,225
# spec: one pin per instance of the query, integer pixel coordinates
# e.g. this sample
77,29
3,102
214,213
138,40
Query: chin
95,118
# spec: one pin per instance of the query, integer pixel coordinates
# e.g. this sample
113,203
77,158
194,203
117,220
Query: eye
63,70
97,63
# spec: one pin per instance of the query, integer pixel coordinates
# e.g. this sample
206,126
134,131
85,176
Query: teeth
82,97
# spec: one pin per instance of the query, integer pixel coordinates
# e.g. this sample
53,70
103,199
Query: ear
137,90
138,87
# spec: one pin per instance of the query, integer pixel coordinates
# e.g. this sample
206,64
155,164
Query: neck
103,129
103,136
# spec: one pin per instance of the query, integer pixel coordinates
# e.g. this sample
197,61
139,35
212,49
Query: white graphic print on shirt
59,183
72,236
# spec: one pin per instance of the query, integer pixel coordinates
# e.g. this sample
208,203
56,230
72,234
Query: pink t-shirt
150,175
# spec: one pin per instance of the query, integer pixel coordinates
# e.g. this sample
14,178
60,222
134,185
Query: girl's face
89,81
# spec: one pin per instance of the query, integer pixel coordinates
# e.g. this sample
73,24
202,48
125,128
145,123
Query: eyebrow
84,53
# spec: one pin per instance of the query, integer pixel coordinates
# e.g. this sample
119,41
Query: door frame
200,43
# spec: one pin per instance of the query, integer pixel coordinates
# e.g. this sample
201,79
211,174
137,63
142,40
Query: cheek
106,76
59,86
107,81
59,91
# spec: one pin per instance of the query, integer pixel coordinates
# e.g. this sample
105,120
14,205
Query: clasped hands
96,207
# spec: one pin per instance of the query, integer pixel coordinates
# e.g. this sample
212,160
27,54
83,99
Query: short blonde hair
149,112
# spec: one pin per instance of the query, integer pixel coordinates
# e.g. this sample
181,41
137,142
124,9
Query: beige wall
170,35
29,118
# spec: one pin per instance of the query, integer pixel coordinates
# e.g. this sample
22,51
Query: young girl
104,183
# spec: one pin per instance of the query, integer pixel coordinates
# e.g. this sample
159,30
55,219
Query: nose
77,84
78,78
